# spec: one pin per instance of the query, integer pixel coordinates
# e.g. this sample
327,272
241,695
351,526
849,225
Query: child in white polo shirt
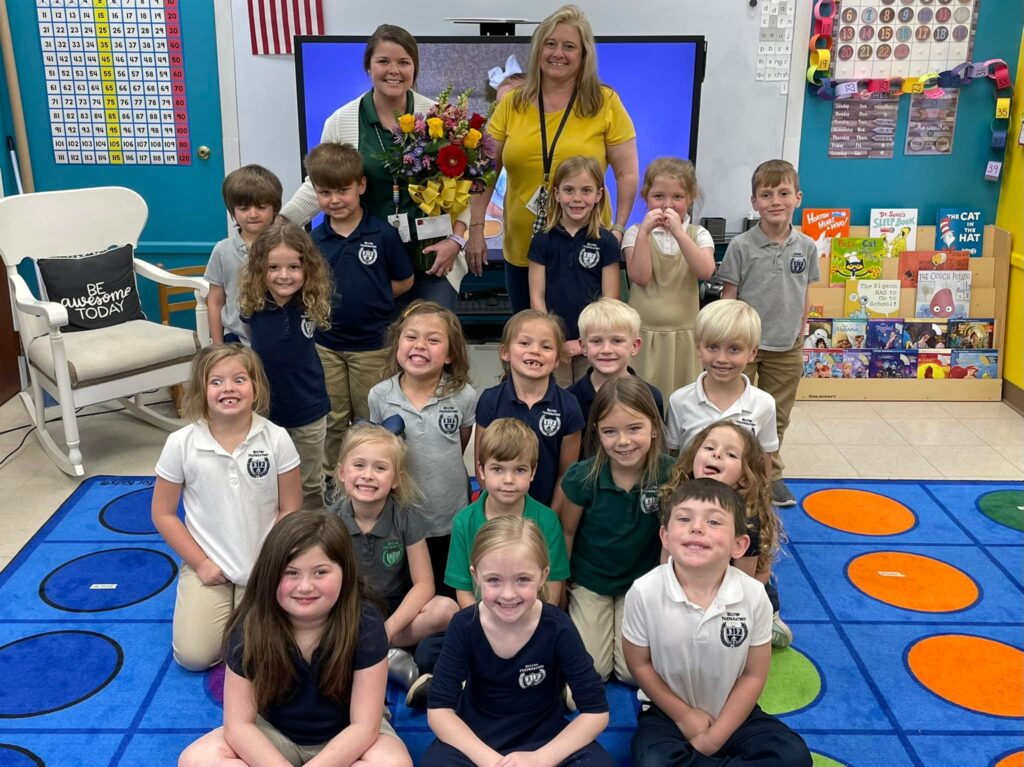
696,637
728,332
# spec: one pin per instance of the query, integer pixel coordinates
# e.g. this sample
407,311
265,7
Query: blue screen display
656,78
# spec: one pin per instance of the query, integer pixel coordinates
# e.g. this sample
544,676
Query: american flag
272,23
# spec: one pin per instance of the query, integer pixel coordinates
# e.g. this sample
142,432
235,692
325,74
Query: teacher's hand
476,250
445,253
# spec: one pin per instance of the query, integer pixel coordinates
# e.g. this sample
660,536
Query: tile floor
878,440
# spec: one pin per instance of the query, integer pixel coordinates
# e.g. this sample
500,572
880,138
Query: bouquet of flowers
444,155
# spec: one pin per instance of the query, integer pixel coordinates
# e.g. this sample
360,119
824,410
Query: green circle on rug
1005,507
793,683
817,760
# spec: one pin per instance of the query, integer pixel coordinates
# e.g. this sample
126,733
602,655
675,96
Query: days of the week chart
115,81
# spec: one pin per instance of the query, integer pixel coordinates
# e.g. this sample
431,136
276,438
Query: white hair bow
496,76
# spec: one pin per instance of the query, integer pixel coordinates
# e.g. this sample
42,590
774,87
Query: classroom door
185,206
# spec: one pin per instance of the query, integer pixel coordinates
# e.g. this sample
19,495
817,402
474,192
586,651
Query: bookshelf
989,285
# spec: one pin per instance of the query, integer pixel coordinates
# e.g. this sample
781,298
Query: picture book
933,364
914,261
898,226
849,334
816,310
822,224
971,333
819,334
856,364
894,364
822,363
925,334
959,229
943,295
872,298
856,258
885,334
970,363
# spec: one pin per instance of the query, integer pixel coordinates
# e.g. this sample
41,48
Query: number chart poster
115,81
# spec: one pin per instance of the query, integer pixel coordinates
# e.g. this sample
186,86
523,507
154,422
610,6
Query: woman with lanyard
392,61
562,110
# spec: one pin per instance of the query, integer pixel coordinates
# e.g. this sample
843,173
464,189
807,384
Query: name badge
432,227
532,205
401,222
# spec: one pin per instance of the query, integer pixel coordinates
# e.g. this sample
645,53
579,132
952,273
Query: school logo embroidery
734,629
797,264
448,420
308,326
550,423
532,675
368,253
649,501
392,553
258,464
589,255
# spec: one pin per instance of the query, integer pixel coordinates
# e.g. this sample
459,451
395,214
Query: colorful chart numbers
115,81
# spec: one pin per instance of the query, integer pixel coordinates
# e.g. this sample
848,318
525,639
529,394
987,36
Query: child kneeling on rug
702,704
306,658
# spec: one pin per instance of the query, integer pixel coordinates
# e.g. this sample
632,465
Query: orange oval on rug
912,581
977,673
859,512
1011,760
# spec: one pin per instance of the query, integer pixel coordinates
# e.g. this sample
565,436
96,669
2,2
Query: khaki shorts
298,755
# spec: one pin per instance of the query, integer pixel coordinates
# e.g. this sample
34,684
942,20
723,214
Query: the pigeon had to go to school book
856,258
972,333
959,229
898,226
872,298
943,295
823,224
913,262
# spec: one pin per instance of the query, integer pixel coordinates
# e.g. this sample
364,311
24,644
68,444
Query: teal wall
927,183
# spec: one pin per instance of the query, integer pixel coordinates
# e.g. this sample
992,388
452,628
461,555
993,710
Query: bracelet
618,228
475,223
460,241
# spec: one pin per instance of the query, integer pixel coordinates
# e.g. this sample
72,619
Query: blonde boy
508,460
252,195
727,333
771,267
610,335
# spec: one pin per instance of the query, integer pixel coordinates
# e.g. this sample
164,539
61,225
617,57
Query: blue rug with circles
906,599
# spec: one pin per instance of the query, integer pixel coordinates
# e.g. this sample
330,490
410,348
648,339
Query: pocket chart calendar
115,81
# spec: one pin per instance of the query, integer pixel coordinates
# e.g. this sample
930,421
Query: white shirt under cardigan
231,500
698,652
690,410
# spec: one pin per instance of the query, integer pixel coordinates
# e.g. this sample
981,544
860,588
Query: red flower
451,161
477,121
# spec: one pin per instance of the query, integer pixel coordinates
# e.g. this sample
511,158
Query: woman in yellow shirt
580,117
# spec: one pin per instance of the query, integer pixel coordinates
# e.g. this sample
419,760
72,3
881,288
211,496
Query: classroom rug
905,598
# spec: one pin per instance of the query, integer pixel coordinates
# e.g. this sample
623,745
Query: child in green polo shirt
508,460
611,516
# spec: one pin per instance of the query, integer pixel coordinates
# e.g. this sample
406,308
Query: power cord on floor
78,414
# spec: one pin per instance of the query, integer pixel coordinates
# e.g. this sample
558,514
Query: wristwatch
460,241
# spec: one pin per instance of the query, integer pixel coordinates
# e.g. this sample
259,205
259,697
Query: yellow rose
435,127
407,123
472,140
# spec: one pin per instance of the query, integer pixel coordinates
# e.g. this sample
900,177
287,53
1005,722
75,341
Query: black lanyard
549,157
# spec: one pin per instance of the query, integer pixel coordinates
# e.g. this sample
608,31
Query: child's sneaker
782,635
402,668
782,495
418,692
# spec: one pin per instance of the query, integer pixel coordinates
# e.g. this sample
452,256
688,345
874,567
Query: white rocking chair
87,367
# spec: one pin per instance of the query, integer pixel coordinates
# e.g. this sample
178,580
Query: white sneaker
782,635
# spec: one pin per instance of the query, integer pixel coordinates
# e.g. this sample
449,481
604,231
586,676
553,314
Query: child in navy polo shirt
531,345
284,296
573,261
371,267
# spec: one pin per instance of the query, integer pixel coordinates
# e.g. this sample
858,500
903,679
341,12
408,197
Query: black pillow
98,289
